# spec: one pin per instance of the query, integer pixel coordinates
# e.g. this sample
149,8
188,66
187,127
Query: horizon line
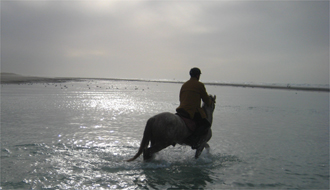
10,78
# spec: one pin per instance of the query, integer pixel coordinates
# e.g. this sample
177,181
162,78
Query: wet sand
11,78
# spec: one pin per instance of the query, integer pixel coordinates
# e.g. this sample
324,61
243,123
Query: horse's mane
212,98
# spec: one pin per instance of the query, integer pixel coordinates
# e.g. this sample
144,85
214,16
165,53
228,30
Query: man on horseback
191,94
166,129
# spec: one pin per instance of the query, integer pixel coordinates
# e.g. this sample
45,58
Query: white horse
167,129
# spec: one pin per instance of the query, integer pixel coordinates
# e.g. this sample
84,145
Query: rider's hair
194,72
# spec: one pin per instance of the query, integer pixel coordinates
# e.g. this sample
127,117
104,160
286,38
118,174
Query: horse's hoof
199,151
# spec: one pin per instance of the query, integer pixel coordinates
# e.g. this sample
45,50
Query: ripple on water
69,166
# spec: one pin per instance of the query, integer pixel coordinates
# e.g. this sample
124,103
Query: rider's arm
204,95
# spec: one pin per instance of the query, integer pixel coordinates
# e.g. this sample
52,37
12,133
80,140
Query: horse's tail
145,140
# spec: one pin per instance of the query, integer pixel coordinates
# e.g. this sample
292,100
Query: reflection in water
177,176
68,166
107,101
103,167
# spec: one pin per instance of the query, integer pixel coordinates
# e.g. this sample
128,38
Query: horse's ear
215,97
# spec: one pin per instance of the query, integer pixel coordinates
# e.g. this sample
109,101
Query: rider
191,94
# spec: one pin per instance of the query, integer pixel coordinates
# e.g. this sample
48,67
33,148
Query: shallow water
78,134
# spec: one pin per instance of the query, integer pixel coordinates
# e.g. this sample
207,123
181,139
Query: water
77,135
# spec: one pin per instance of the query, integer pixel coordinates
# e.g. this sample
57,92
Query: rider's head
195,72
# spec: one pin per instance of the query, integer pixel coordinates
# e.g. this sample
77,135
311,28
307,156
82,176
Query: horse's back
170,127
167,119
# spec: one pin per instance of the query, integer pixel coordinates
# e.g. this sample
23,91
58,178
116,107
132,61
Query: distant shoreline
11,78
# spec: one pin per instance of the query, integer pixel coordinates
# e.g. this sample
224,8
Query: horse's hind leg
148,153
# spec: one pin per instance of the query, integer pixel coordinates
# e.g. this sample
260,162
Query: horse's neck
209,115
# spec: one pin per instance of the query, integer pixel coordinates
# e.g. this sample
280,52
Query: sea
78,134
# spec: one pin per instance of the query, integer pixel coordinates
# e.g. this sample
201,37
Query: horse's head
212,105
209,109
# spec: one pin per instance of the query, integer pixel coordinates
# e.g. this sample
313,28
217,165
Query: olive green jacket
191,94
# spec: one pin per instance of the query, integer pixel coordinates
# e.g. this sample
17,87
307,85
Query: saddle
190,123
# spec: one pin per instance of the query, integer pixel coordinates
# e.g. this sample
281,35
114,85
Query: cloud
230,41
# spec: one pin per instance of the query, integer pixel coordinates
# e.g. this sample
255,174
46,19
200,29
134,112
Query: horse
165,129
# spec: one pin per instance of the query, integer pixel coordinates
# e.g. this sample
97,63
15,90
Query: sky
230,41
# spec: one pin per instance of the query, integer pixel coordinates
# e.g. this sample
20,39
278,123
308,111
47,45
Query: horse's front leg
200,149
207,146
203,145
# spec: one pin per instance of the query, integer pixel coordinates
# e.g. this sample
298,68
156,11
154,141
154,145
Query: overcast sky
230,41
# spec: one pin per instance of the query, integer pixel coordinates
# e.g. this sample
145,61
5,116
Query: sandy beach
12,78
